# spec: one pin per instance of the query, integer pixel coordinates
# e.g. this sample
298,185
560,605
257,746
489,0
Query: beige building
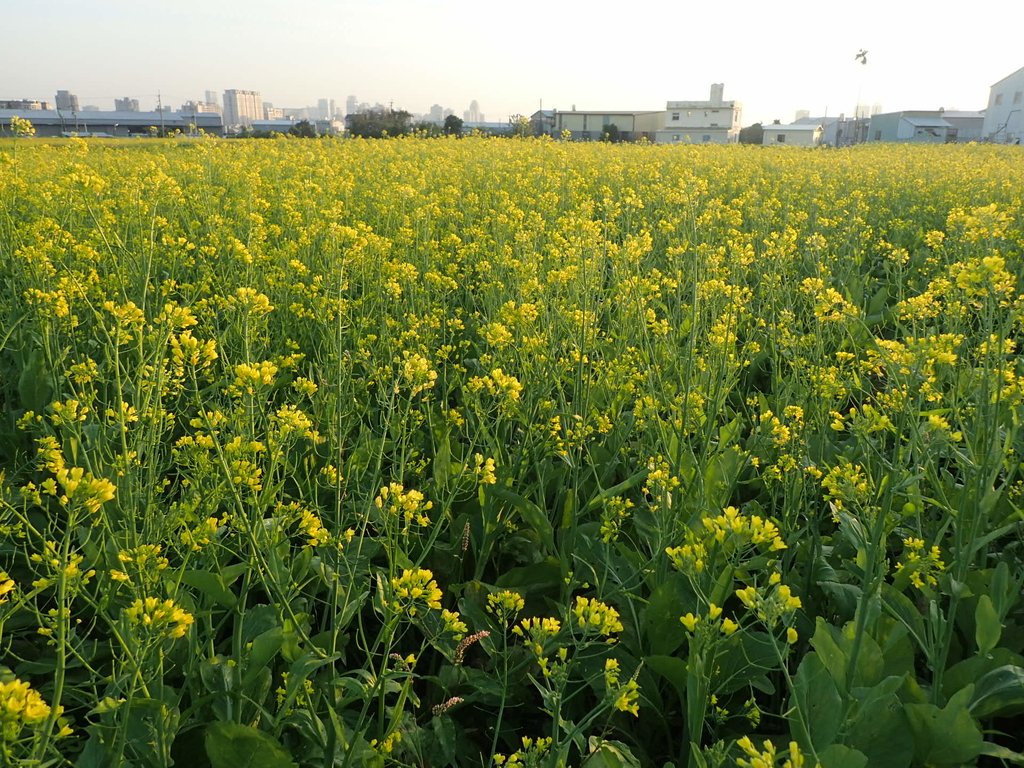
241,107
715,121
794,135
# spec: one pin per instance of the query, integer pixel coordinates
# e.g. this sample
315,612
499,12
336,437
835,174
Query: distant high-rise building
127,104
325,109
801,114
242,107
210,97
270,112
436,114
351,105
67,101
473,113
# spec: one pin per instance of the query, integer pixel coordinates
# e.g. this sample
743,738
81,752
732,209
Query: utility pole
160,107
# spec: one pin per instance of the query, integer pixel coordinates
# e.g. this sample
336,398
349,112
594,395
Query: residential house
715,121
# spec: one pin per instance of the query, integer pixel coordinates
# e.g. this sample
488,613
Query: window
706,138
781,138
675,115
999,99
878,135
1017,97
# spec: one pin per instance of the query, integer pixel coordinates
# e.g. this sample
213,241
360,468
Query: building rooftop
927,122
794,127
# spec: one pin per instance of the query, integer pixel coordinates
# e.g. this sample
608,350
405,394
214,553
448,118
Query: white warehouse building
1004,118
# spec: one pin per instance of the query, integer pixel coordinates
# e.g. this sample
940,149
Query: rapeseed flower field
510,452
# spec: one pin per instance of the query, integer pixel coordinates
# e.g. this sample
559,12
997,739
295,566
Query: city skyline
449,52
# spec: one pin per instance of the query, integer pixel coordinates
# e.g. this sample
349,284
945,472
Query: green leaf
615,490
947,736
878,725
972,669
673,669
839,756
609,754
264,648
230,745
827,641
210,585
816,707
1002,753
661,627
531,514
987,627
1000,693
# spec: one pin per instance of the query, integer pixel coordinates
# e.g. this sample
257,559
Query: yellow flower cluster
20,706
505,604
766,756
532,753
919,565
730,537
625,697
159,618
591,615
414,590
409,506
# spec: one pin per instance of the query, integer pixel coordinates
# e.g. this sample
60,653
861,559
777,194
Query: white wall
1004,118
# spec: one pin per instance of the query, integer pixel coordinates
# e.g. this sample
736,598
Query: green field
510,452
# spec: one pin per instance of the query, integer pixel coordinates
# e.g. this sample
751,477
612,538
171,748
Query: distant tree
303,129
378,123
453,126
520,125
612,133
752,134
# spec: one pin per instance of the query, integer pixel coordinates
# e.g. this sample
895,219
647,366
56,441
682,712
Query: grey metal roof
122,117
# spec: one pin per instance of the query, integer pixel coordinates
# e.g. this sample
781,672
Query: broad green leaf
211,585
1002,753
973,669
609,754
231,745
661,627
264,648
947,736
987,627
999,693
878,725
827,641
673,669
839,756
816,709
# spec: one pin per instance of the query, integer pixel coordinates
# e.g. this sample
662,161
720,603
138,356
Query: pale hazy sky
775,56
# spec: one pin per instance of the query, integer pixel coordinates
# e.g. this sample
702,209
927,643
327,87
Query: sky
774,56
